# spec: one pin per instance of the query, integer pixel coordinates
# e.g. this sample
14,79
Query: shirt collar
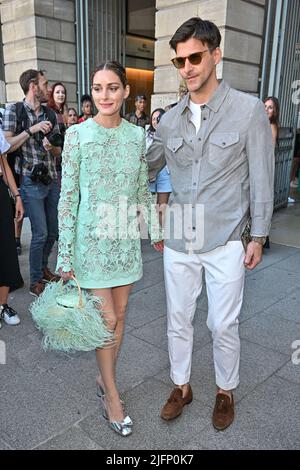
29,107
214,103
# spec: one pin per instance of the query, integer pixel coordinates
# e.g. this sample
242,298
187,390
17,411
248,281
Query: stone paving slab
271,332
274,255
291,371
146,305
72,439
290,264
156,332
29,354
4,446
138,361
266,419
35,406
153,275
287,308
264,288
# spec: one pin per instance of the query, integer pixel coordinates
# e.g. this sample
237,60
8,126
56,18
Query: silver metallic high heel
121,428
124,428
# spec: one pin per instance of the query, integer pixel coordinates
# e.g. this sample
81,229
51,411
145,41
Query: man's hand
19,209
159,246
253,255
46,144
43,126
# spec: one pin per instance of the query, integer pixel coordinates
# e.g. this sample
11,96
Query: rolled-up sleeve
9,120
260,152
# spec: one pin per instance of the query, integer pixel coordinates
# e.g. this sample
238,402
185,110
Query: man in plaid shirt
40,198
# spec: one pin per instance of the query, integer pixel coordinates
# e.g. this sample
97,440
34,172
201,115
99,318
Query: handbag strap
80,303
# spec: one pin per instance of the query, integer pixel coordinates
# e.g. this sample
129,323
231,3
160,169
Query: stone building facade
39,34
241,24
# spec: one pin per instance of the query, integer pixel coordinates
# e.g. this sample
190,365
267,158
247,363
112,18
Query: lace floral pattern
104,182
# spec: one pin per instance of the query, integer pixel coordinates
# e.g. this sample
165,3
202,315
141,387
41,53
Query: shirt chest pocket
177,151
223,147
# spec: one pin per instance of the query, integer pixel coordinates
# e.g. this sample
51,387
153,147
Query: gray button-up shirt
219,176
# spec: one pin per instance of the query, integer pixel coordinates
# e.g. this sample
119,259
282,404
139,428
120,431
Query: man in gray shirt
217,143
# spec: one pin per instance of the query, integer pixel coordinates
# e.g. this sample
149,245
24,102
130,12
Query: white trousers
224,275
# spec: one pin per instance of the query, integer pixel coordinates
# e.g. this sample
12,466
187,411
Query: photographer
32,131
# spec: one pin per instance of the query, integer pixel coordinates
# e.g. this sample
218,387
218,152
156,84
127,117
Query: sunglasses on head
194,59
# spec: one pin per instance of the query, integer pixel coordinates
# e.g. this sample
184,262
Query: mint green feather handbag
71,319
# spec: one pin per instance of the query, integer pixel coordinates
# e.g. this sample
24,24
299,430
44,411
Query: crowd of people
212,148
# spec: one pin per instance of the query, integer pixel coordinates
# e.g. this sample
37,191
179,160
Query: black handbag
11,197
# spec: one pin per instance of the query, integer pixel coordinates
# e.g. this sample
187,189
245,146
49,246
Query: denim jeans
41,207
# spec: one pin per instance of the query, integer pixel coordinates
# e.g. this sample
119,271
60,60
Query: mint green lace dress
104,177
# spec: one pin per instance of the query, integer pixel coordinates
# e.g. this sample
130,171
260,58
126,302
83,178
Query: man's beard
41,97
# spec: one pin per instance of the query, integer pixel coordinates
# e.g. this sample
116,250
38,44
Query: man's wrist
29,132
260,240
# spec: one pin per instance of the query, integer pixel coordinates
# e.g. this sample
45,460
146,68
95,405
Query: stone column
39,34
241,25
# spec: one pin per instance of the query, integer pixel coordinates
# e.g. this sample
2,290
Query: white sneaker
291,200
9,315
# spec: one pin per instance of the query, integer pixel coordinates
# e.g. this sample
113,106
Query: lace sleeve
145,199
69,199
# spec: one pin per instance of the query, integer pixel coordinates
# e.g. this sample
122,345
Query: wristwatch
261,240
29,132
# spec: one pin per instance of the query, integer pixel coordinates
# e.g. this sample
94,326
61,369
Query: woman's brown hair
51,103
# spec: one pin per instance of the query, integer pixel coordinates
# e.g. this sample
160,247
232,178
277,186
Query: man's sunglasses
194,59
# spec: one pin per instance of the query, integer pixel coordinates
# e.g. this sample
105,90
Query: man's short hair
29,76
204,30
140,97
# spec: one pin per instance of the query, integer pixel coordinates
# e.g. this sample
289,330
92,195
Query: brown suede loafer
175,403
223,413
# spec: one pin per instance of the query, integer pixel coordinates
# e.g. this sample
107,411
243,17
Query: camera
55,139
40,174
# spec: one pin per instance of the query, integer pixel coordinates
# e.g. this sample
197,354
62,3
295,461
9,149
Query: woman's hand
19,209
66,276
159,246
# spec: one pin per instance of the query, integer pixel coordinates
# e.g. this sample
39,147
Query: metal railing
283,160
280,71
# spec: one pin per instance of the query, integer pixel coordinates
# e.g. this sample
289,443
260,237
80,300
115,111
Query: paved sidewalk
48,400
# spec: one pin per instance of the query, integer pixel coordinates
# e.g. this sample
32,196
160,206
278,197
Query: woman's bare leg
3,294
106,359
120,298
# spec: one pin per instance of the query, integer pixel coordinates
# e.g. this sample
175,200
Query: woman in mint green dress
104,178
